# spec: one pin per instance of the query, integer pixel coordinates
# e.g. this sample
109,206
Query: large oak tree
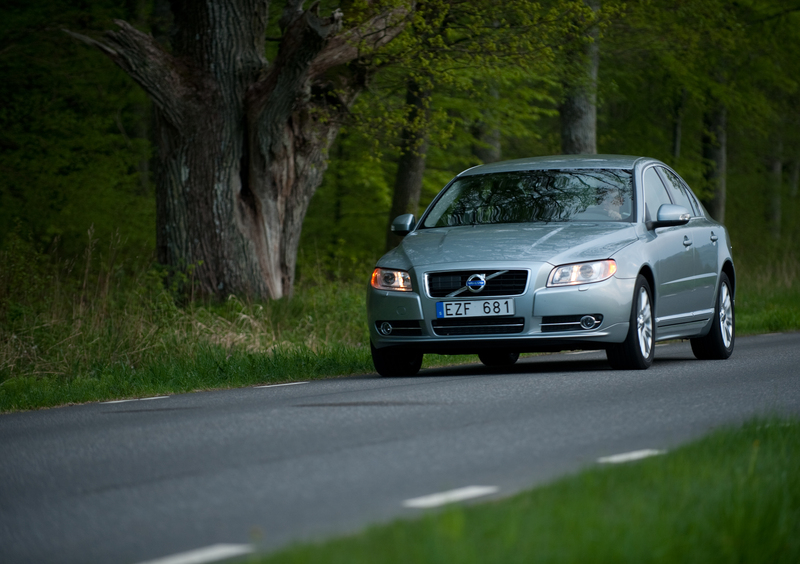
242,141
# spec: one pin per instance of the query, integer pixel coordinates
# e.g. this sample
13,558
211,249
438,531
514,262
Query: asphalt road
137,481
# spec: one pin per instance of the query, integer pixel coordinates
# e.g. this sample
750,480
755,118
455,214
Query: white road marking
630,456
584,352
211,553
277,385
461,494
137,399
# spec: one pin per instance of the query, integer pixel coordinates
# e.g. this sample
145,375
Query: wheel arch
647,272
728,269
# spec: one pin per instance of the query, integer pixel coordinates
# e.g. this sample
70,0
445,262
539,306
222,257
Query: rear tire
498,358
637,350
391,362
718,344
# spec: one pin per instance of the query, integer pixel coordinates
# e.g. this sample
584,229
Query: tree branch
367,37
305,34
312,45
155,70
776,15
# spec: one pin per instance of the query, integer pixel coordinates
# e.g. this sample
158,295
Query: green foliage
73,129
733,496
472,62
348,210
73,140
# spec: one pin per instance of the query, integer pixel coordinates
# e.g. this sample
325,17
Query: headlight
385,279
581,273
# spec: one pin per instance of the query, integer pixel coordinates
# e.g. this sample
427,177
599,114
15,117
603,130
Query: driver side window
655,194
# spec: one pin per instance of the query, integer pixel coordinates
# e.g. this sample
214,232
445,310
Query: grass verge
210,367
733,496
111,333
767,310
767,293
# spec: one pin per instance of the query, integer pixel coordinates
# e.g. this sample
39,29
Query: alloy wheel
726,315
644,323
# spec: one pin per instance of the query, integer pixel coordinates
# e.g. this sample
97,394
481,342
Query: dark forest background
76,152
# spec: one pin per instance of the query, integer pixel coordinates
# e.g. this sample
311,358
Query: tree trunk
242,144
677,125
411,166
487,136
144,110
578,109
776,187
340,181
715,155
487,148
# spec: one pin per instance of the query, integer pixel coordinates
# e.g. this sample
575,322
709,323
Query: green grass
100,331
768,294
733,496
109,332
209,367
770,310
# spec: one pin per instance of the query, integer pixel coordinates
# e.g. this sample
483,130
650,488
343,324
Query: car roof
559,162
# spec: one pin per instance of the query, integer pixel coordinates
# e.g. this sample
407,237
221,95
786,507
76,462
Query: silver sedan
555,253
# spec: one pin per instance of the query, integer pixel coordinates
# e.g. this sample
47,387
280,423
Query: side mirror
670,215
403,224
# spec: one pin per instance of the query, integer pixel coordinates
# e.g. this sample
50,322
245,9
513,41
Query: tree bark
715,155
411,166
578,109
242,143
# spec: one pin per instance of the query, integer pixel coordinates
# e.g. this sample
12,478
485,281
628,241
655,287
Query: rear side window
679,191
701,211
655,194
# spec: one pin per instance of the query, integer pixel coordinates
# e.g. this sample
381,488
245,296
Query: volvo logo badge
476,283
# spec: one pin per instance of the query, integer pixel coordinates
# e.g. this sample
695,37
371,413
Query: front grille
560,323
478,326
400,328
498,283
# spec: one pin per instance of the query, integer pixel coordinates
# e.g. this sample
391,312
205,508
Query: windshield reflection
535,196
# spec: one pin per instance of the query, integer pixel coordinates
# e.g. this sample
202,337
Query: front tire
637,350
718,344
395,362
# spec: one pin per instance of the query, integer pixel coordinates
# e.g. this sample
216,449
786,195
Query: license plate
474,308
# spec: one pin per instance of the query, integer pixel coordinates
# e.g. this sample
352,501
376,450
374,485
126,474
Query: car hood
556,243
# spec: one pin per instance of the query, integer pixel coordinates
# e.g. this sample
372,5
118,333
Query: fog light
386,328
588,322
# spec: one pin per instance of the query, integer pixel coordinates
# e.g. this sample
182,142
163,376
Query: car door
704,240
671,252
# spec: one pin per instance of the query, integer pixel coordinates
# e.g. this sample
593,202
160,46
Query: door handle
713,237
686,241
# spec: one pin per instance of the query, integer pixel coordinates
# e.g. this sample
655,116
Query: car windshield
535,196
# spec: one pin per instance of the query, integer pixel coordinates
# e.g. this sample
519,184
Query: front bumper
539,311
